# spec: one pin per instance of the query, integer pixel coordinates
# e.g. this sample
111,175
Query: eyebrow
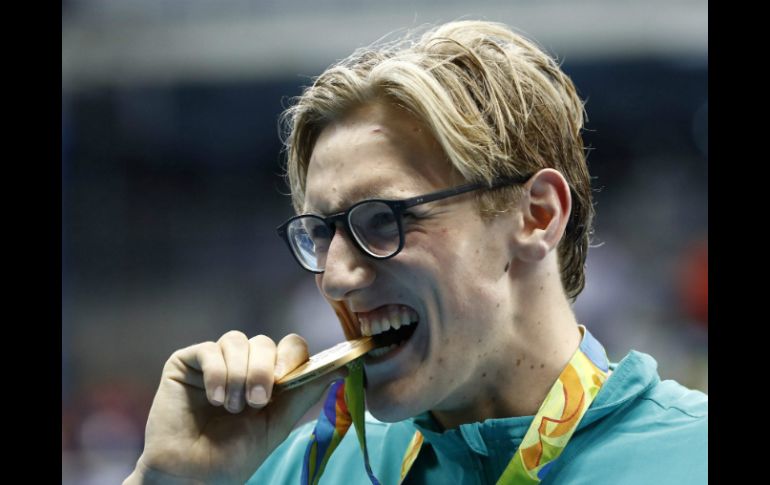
359,193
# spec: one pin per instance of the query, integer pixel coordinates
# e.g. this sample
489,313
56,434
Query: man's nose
347,268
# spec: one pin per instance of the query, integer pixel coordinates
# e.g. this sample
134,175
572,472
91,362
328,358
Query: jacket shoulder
660,436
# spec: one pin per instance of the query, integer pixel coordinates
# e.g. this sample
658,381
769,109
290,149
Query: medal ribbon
344,404
551,429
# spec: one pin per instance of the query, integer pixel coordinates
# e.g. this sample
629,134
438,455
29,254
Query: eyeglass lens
373,224
375,227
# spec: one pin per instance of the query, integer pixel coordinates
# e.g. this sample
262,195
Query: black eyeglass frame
398,207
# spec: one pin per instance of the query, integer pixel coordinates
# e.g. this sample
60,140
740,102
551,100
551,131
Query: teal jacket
638,431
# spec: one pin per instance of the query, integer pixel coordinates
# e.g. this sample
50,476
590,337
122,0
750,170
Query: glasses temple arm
442,194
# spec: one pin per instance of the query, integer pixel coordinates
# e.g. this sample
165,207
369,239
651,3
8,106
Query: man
491,378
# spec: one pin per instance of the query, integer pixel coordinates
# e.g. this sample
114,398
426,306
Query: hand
214,418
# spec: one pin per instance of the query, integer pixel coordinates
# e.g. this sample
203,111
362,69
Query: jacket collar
630,378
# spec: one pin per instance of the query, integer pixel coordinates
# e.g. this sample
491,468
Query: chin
391,410
389,414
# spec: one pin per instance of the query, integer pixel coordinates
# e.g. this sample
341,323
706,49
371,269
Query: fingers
236,371
267,363
292,351
235,350
261,365
207,359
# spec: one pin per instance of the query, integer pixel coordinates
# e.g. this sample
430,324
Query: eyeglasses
375,224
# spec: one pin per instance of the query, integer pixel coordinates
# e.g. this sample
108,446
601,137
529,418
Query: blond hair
496,103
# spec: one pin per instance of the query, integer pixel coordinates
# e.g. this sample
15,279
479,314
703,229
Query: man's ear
544,209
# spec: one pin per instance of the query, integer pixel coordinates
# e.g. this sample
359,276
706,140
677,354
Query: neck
532,355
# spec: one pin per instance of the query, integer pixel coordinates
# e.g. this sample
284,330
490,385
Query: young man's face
451,272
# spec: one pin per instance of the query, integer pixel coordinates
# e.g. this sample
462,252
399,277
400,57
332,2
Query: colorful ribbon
554,424
556,420
344,404
330,428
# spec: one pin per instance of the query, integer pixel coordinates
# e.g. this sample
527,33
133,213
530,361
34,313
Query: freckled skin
448,272
507,265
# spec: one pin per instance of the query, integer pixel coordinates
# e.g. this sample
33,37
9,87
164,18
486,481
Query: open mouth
392,338
391,326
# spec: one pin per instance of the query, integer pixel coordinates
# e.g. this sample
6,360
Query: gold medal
326,361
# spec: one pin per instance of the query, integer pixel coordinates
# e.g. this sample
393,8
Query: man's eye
412,218
319,232
382,219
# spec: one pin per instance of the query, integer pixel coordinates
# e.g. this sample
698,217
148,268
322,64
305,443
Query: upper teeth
381,320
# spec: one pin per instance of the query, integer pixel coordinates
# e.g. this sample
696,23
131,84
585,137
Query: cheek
459,268
470,253
430,253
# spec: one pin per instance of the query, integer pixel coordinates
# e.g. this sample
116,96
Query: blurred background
171,186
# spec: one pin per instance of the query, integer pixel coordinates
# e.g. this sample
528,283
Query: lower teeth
382,350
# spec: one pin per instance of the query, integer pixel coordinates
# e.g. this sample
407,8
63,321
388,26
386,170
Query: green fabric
355,398
639,430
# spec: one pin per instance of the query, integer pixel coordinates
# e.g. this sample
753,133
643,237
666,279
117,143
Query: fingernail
258,396
219,395
234,403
